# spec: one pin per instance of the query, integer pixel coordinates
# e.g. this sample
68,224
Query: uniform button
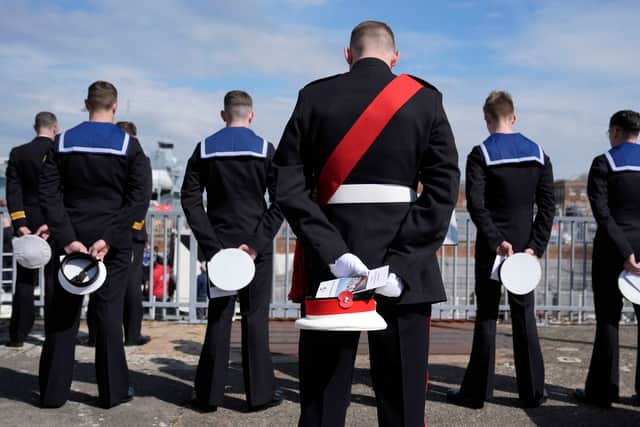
345,299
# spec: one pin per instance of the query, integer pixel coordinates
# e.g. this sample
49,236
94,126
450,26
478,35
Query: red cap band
320,307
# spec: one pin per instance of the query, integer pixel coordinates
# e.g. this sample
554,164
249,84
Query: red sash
348,153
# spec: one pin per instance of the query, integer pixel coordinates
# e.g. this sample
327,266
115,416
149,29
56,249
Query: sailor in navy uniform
234,167
93,184
506,176
23,177
373,219
614,179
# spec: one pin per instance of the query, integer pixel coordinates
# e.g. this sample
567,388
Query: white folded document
495,270
332,288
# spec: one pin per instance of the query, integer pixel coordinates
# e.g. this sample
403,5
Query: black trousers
603,381
399,357
257,366
133,311
477,384
22,305
62,318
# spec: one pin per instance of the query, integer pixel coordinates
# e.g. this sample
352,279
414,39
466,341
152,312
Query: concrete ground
162,373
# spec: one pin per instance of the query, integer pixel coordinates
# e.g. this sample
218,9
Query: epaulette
323,80
424,83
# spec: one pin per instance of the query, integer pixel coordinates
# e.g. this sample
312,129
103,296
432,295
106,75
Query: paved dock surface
163,371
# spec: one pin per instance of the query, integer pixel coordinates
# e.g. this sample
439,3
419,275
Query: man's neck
238,125
49,135
101,116
622,141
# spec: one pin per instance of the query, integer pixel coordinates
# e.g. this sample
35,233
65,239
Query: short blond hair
371,34
238,104
498,104
101,95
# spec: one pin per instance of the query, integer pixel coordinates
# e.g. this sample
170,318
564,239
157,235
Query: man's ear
114,107
87,106
347,56
251,116
395,58
487,119
223,116
513,119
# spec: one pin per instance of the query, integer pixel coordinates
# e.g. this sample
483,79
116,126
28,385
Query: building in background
571,197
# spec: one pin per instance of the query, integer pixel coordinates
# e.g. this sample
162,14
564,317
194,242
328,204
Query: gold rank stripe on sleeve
18,215
137,225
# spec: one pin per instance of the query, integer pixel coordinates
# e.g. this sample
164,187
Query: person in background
507,175
133,310
614,180
23,181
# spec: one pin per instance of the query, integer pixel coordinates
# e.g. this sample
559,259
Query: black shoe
635,400
202,407
15,344
278,397
536,403
581,396
142,340
456,398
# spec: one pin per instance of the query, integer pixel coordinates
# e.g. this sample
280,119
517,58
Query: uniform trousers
477,385
257,366
22,305
603,382
398,354
62,318
133,310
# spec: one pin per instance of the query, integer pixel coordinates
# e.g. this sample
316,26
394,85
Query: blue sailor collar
624,157
505,148
94,138
233,142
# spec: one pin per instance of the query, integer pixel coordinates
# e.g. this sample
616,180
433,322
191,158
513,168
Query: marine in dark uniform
614,180
92,187
133,310
234,167
23,177
506,176
378,227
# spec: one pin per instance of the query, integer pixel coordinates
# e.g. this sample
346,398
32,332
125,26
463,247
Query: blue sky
569,65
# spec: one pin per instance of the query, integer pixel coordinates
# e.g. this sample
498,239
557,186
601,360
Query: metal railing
563,295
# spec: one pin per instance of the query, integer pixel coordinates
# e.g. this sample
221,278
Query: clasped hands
349,265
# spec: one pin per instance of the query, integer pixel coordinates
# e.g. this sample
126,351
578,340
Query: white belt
372,193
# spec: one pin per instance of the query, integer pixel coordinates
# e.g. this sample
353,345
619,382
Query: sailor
614,179
92,187
23,176
133,310
234,167
506,176
350,158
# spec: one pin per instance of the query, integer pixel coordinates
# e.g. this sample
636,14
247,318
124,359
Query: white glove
348,265
393,288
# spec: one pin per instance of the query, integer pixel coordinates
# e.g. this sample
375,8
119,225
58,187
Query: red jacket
159,283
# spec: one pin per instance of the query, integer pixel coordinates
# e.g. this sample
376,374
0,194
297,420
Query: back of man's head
238,105
628,121
44,120
371,37
101,96
128,127
498,105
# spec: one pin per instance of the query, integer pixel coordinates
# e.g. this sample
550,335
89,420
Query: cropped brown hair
498,104
128,127
371,32
101,95
238,104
